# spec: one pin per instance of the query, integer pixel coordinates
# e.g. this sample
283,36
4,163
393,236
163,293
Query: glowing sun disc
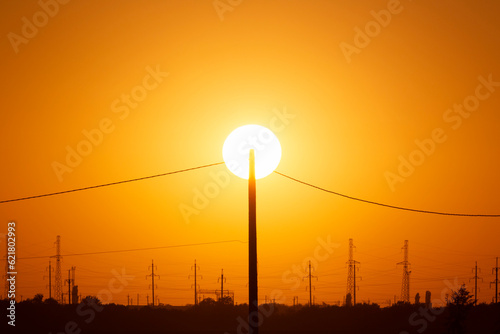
237,147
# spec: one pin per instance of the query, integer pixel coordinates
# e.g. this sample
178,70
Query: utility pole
153,280
222,280
310,276
351,272
50,279
73,269
474,270
128,299
69,286
58,275
137,299
354,281
495,281
195,267
405,285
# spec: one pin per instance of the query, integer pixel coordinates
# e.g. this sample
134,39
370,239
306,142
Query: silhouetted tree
207,302
227,300
50,301
460,303
37,299
91,300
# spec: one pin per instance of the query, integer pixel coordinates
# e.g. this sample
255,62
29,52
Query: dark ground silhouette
35,316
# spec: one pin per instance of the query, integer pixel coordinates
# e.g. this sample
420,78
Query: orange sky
350,115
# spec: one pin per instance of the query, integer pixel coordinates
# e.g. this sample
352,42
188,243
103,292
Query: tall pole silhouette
309,277
221,285
495,281
475,278
153,281
405,285
310,286
253,306
50,279
69,286
195,283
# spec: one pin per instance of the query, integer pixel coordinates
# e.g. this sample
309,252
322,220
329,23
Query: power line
387,205
109,184
284,175
135,249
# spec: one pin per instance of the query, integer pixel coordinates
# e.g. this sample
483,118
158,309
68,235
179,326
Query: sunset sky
354,90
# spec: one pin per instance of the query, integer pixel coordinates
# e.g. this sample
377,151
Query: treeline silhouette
47,316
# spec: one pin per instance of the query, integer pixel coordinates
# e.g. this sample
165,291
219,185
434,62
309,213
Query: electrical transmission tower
153,280
351,273
405,286
58,276
310,276
196,286
495,281
221,279
475,278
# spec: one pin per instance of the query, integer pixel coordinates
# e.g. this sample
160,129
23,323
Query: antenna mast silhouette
405,286
495,281
351,272
310,276
195,284
58,279
153,280
475,278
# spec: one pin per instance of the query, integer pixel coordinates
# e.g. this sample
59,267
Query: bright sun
237,147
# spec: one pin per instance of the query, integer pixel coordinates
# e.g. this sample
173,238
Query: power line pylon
221,279
495,281
405,286
310,276
196,286
153,280
58,276
351,272
475,278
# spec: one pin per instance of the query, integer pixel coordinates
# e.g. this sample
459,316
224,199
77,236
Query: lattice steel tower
58,293
351,275
405,286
